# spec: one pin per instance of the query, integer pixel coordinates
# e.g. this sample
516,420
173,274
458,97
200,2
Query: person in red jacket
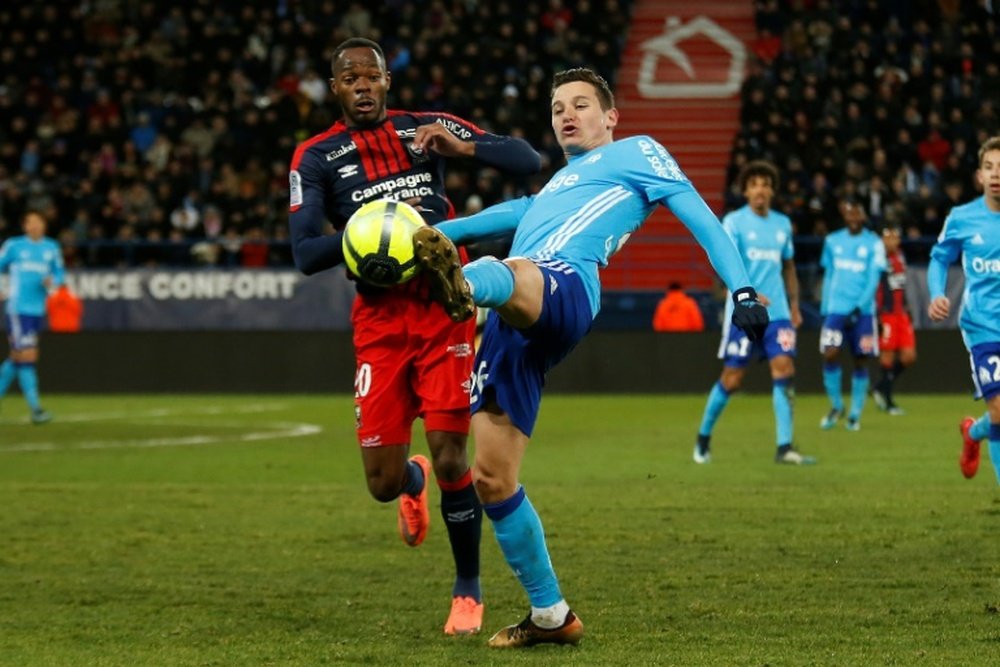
677,311
64,309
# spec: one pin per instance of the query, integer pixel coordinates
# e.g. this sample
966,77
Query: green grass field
236,530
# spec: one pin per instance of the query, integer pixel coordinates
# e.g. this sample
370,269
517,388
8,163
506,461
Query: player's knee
384,489
491,488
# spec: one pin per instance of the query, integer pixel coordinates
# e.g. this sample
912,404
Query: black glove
749,314
853,318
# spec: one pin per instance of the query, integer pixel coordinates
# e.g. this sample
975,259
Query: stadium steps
697,131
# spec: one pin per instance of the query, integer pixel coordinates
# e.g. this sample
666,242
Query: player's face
578,120
759,193
989,177
891,239
854,216
360,82
34,226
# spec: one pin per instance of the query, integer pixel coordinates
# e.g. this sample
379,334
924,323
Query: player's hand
796,316
749,314
939,309
854,317
435,137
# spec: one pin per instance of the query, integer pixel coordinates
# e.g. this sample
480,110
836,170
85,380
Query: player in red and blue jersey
412,360
897,341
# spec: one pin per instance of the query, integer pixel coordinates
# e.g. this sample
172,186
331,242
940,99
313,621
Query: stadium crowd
883,100
132,124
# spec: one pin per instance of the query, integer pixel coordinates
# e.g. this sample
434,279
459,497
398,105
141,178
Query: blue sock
414,479
859,391
981,429
7,374
522,541
491,280
831,382
995,449
718,398
28,379
781,396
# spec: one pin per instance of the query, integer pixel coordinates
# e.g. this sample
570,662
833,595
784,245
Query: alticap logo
666,46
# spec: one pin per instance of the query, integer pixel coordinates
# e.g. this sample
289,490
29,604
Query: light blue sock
491,280
28,379
522,541
718,398
859,391
7,374
831,382
995,449
981,428
781,396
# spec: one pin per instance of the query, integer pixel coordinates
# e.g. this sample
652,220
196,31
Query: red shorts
411,361
896,332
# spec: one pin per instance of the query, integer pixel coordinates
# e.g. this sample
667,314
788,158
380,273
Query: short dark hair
356,43
761,168
991,144
587,75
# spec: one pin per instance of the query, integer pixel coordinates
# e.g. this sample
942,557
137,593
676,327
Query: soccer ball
378,242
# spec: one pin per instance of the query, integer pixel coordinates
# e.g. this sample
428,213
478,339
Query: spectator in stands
677,311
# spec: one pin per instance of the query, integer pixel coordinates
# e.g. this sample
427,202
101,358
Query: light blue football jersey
972,231
764,243
590,207
853,265
28,263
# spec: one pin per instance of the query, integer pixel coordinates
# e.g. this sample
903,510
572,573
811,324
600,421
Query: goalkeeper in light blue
544,299
764,238
973,231
853,261
34,265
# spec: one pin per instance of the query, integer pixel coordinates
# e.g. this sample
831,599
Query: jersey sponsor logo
852,265
563,180
984,265
294,188
348,170
763,255
460,350
341,152
455,128
660,160
31,267
402,187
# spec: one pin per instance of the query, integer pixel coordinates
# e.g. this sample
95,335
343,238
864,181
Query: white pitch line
283,430
166,412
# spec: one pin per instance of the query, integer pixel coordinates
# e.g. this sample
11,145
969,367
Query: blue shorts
862,337
22,331
985,361
513,362
736,349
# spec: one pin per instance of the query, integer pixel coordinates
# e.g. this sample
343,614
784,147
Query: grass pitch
236,530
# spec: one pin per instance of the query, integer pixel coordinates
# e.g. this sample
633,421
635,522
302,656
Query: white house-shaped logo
666,46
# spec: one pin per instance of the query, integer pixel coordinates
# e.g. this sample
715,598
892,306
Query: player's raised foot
40,416
880,400
968,461
526,633
791,456
414,513
701,450
853,424
466,617
439,259
831,418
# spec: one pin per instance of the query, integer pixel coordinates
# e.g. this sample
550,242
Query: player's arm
312,249
825,263
791,280
58,273
494,221
944,253
509,154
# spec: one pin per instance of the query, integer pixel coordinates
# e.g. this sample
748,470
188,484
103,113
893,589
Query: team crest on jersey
780,236
862,251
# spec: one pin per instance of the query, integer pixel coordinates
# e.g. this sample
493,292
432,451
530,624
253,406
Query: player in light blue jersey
853,260
34,265
544,299
973,231
764,239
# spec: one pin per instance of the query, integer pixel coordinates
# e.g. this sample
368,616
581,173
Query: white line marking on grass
166,412
277,430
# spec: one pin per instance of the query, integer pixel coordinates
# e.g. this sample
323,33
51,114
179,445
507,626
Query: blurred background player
853,260
677,312
973,230
897,342
34,265
764,240
412,360
544,300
